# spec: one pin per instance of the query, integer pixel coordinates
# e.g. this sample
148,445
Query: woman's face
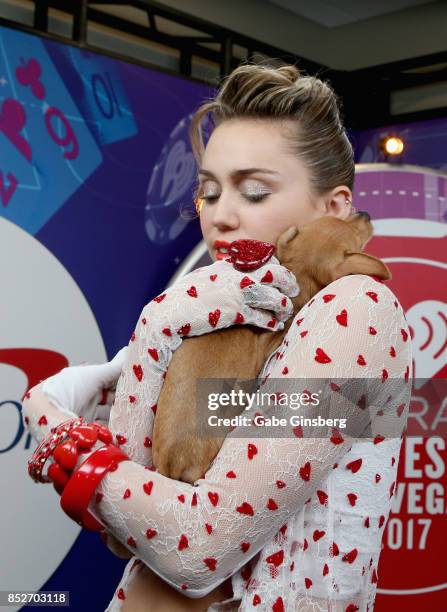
242,203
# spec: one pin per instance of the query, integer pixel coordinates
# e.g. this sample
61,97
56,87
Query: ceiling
333,13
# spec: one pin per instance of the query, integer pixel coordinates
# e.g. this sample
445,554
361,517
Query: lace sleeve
195,536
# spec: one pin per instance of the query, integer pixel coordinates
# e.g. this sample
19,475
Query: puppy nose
363,213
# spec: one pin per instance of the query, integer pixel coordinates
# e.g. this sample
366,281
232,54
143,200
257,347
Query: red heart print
213,497
120,439
167,331
251,451
213,277
181,498
132,399
350,556
404,335
379,438
209,527
192,291
400,409
392,351
194,499
325,569
183,542
361,360
153,353
381,520
276,558
334,386
352,608
213,317
328,297
131,542
372,331
184,330
147,442
321,357
322,496
317,534
239,319
384,375
256,599
378,478
280,484
211,563
362,402
245,546
366,523
231,474
121,594
278,606
267,278
342,318
305,544
352,497
305,471
150,533
42,420
355,465
246,282
271,504
126,494
334,550
138,371
159,298
373,296
147,487
308,582
245,508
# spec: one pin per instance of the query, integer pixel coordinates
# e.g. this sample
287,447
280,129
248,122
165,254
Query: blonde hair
316,135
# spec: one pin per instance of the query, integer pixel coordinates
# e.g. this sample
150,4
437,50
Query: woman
275,524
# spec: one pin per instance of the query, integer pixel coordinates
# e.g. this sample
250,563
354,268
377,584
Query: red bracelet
85,480
56,436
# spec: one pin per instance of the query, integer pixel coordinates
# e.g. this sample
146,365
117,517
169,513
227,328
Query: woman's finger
268,298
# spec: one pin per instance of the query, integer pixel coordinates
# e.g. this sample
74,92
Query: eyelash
252,199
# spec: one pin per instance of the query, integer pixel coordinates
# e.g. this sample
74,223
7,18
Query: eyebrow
239,173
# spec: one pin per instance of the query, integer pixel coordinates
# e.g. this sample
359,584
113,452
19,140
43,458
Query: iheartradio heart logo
418,264
428,325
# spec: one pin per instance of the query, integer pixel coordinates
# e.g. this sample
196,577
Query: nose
224,214
363,213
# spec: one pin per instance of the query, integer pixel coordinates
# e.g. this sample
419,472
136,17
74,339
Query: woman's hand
86,390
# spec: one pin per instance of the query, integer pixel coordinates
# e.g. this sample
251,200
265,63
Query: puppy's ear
288,235
361,263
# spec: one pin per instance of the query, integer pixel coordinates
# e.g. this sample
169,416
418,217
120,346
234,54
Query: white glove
77,390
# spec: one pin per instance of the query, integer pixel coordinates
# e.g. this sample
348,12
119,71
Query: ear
361,263
288,235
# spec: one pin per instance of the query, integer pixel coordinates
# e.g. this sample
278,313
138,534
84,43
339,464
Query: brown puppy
322,251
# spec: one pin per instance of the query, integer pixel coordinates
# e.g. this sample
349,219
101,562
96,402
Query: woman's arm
40,415
195,536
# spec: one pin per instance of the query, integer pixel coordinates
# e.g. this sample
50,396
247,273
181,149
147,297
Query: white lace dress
296,521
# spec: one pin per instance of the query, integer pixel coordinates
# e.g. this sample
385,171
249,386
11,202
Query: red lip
221,243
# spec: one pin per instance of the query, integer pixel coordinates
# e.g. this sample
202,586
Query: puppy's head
329,248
